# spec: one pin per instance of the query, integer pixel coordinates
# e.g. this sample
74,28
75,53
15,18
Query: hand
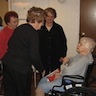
65,60
61,59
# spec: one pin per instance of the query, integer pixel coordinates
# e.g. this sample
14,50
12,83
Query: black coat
23,50
53,45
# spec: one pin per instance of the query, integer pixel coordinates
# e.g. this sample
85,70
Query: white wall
68,14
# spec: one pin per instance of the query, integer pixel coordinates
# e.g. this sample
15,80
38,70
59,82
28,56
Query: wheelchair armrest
73,78
53,92
56,86
70,81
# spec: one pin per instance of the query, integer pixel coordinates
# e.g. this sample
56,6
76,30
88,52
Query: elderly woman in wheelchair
76,66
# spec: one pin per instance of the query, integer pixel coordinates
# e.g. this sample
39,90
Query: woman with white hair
77,65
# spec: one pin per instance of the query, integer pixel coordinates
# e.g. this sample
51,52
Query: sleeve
62,42
79,64
34,53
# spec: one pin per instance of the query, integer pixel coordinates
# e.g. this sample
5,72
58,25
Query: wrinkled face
80,47
13,23
49,18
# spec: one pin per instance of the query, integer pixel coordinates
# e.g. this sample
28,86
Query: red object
52,77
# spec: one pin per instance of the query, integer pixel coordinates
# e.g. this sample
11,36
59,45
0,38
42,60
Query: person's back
21,48
23,52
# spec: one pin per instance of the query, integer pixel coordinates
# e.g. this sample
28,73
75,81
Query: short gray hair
89,43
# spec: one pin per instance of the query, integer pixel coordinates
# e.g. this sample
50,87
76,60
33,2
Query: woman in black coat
53,42
23,51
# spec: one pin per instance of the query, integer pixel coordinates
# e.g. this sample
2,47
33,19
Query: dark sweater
53,45
23,49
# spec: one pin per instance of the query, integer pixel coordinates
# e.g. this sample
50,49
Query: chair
93,79
88,74
79,91
90,78
76,81
68,81
74,88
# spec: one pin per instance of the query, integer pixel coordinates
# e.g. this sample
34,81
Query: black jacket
23,50
53,45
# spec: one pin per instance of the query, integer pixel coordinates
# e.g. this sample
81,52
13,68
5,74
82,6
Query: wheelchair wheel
79,91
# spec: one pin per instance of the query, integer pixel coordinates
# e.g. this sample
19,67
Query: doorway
88,25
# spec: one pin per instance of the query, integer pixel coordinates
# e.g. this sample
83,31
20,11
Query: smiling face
11,19
12,24
50,15
49,18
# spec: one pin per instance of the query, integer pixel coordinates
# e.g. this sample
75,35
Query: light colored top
77,65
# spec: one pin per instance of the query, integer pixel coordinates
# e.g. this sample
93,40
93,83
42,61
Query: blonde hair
89,43
35,13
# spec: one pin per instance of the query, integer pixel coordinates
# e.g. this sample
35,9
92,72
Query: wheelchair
74,85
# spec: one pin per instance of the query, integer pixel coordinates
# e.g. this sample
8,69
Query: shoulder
90,58
87,58
57,25
4,30
23,26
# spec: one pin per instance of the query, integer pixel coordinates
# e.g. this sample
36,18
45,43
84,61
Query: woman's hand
65,60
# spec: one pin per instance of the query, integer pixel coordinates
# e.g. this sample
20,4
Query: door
88,27
88,19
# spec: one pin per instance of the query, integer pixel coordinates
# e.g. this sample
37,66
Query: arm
79,63
62,42
34,53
